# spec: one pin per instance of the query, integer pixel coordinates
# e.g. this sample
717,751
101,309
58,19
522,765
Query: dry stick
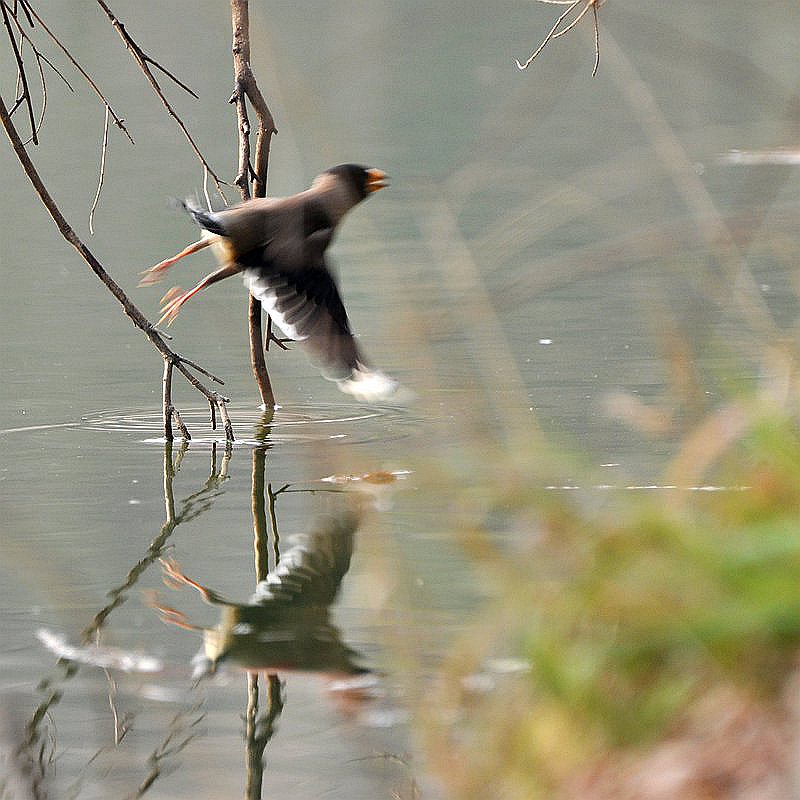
596,40
26,92
245,89
136,316
120,123
42,82
258,361
215,400
143,60
166,404
102,177
24,6
43,87
554,32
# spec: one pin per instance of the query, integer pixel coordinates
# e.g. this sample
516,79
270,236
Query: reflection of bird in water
286,623
279,245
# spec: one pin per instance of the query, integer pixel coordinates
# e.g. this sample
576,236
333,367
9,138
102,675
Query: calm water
548,253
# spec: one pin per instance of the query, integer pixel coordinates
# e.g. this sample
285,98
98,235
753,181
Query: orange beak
377,179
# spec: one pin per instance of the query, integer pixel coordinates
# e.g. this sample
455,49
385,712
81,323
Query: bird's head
361,180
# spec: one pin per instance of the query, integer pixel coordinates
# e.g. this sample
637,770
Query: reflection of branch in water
259,728
32,750
191,507
272,496
181,731
121,724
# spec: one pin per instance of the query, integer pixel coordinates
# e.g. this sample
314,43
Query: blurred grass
630,613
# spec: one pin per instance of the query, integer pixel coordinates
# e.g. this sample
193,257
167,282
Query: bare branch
136,316
30,12
40,60
246,88
24,5
25,95
144,60
205,372
163,69
556,30
183,429
596,40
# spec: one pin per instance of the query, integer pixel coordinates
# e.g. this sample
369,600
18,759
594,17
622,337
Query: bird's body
279,244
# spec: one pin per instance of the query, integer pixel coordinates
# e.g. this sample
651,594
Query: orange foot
155,274
171,304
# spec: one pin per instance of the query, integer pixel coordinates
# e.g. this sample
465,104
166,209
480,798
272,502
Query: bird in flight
278,245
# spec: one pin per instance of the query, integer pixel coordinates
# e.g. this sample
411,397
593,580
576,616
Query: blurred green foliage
631,610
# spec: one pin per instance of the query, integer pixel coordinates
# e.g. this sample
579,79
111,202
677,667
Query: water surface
544,266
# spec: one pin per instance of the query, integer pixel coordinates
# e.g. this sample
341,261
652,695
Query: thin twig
24,6
575,21
43,87
205,189
144,61
40,59
23,78
205,372
42,84
554,31
103,151
120,123
68,232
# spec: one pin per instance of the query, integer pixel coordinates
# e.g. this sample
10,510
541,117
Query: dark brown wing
289,275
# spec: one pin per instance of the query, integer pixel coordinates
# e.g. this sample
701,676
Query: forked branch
10,14
145,62
564,20
172,359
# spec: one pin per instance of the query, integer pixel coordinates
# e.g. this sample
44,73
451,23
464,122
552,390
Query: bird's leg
155,274
172,303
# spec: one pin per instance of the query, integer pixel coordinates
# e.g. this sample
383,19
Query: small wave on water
252,427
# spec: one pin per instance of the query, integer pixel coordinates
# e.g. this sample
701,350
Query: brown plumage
279,245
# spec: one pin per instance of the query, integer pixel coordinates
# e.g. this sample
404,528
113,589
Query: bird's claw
171,304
